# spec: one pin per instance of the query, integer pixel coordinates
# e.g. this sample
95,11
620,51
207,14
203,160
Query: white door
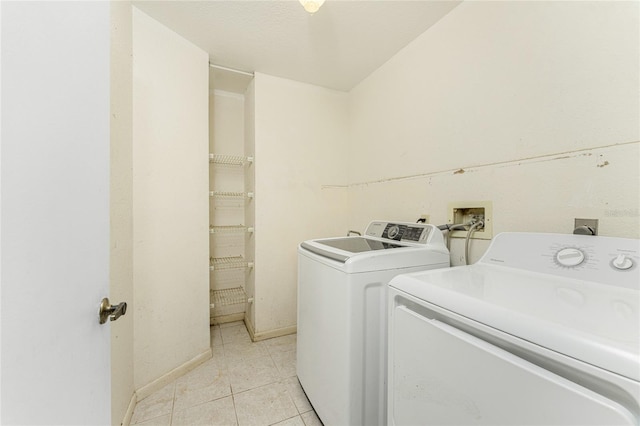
54,229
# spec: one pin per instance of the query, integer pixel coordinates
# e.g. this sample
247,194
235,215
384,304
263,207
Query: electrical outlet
585,226
462,212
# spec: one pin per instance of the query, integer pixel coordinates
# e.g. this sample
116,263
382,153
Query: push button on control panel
412,234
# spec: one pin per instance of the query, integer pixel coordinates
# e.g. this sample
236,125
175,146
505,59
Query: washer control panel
401,231
607,260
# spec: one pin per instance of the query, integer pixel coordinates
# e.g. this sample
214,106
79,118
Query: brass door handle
107,310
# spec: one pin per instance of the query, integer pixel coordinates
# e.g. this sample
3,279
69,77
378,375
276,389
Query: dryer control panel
607,260
400,231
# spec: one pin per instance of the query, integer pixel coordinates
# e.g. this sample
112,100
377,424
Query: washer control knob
622,262
393,232
570,257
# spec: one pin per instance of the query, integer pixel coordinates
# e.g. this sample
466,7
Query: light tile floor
245,383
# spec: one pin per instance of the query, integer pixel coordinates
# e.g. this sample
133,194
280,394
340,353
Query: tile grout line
233,397
173,402
235,411
289,418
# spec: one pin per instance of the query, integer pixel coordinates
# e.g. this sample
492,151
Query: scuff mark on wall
587,152
601,161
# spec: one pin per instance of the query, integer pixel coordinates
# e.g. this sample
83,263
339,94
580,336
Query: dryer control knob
570,257
622,262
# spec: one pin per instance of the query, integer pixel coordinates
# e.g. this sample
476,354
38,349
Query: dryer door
439,375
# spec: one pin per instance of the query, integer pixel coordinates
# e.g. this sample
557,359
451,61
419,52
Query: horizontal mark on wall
622,213
586,152
334,186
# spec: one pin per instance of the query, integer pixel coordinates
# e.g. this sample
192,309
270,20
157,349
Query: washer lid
386,257
350,248
348,244
593,322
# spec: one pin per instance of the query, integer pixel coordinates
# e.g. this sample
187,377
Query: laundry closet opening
231,207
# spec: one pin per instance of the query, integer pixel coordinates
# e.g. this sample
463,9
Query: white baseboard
226,318
129,413
250,329
172,375
269,334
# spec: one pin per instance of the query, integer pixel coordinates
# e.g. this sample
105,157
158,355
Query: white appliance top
574,294
385,245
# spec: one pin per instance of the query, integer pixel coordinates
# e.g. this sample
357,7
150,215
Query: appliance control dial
622,262
393,232
570,257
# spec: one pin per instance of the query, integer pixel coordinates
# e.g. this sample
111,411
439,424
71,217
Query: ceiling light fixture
311,6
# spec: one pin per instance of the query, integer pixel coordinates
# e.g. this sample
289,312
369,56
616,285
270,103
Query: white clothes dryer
342,304
543,330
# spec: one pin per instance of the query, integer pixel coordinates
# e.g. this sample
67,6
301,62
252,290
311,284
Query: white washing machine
342,305
543,330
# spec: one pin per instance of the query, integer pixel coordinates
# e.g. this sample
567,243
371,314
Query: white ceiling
336,48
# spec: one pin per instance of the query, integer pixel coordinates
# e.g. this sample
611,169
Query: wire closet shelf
228,262
231,160
228,297
233,229
230,194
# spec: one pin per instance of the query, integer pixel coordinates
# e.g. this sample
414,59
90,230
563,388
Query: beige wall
170,200
532,105
226,124
300,176
121,205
